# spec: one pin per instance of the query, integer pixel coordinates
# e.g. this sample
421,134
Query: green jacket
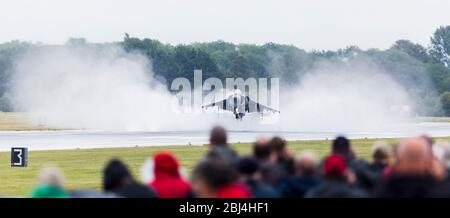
49,191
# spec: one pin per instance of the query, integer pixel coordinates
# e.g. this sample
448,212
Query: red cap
334,166
166,163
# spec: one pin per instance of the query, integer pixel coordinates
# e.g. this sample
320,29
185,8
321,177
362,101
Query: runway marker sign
19,157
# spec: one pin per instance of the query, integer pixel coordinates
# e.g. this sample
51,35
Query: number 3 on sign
19,157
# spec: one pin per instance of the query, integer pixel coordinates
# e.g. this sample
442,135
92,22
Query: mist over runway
86,139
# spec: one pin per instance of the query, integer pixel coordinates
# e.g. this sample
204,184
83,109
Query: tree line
424,71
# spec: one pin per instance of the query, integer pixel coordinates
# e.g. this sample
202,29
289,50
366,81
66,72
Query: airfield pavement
82,167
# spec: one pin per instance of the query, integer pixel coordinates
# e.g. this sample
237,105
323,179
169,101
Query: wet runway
72,139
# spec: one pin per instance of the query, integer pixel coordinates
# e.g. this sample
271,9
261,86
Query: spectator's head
52,176
380,153
306,163
278,145
334,167
210,175
165,165
218,136
341,146
248,168
262,150
413,157
115,175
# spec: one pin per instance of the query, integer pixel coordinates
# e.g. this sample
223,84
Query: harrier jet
240,104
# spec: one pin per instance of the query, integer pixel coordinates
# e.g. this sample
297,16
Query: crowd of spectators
413,167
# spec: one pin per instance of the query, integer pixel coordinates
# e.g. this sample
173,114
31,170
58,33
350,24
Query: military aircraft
240,104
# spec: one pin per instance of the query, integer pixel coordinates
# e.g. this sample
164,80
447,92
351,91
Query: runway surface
73,139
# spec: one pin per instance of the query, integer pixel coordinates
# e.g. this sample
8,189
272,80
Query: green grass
83,167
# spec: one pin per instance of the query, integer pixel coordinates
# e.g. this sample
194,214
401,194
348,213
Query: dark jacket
297,186
223,152
442,188
336,189
271,173
366,178
378,167
287,165
135,190
261,190
396,186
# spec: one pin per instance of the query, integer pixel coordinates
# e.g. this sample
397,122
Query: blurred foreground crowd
413,167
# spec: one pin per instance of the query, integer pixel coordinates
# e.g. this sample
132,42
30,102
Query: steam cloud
345,99
91,88
109,89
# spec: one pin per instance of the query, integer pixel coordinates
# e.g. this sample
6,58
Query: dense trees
414,50
424,71
440,46
8,51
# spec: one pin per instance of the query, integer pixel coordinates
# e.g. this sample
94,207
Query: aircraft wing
258,107
222,104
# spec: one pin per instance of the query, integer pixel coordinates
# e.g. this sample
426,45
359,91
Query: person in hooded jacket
168,183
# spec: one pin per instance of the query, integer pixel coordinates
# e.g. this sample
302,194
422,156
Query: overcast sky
313,24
